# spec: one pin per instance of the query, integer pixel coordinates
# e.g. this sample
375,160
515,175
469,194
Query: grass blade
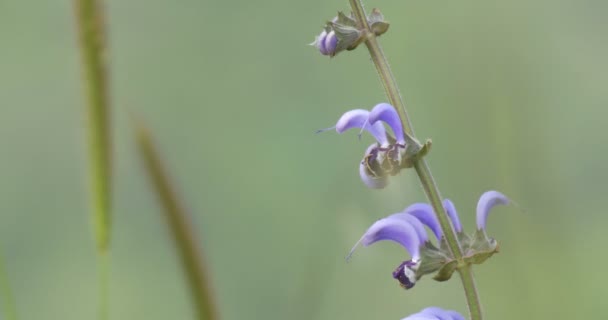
177,219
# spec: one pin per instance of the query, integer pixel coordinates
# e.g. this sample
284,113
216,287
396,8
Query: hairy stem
422,169
90,24
177,219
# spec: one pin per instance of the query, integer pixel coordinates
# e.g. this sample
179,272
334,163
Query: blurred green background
512,93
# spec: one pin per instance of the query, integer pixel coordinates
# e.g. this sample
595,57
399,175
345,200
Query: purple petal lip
387,113
394,229
404,277
451,211
370,181
486,202
424,212
358,118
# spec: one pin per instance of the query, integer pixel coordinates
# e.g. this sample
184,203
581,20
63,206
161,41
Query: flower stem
90,24
177,219
422,169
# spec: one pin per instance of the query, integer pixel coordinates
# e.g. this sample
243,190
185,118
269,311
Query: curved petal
418,226
424,212
418,316
437,312
486,202
368,180
451,211
358,118
387,113
393,229
454,315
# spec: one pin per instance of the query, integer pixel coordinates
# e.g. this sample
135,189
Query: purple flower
385,156
435,313
407,229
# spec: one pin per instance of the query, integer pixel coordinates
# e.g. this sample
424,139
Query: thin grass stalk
178,222
91,34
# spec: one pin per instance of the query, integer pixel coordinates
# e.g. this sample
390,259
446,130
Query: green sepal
379,28
377,23
414,151
375,16
480,248
343,19
446,271
431,260
348,37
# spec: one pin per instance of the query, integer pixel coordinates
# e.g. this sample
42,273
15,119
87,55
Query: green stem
92,45
422,169
90,24
8,302
470,291
178,221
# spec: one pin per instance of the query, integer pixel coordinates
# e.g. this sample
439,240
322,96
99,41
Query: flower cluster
342,33
407,229
435,313
387,156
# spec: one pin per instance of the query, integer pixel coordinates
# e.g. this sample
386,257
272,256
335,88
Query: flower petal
454,315
451,211
437,312
330,43
486,202
320,43
387,113
371,181
419,316
418,226
394,229
358,118
424,212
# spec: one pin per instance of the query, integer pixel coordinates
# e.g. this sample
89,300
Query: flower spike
387,113
486,202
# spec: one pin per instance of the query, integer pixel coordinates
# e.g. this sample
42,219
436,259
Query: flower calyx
343,33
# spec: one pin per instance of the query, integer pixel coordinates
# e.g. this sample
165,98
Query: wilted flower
384,158
435,313
407,229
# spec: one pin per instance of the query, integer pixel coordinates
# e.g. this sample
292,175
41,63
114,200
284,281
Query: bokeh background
513,94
